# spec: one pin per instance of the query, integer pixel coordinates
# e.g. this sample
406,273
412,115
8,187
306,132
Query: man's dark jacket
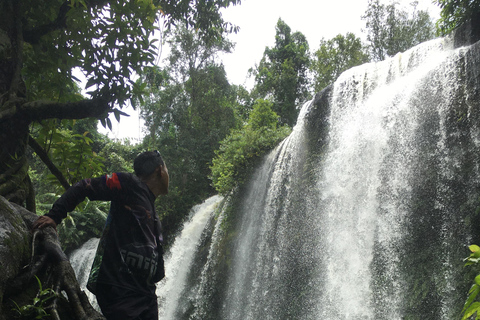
129,254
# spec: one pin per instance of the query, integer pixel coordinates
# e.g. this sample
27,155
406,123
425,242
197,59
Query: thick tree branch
33,36
44,157
41,110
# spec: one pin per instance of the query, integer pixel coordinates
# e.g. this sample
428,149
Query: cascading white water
179,259
263,233
344,234
81,260
373,119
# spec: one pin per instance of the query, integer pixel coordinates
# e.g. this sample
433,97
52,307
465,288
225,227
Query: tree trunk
13,129
23,256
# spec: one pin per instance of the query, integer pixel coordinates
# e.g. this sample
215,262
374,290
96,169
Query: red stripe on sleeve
113,182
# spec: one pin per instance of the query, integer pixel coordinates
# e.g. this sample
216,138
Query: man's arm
103,188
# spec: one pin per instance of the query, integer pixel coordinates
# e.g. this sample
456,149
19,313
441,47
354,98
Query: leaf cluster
335,56
71,152
391,29
472,305
36,310
108,41
201,15
86,222
455,12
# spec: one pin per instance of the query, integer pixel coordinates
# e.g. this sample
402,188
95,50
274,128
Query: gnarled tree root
50,264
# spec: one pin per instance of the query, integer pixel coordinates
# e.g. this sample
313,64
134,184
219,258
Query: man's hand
44,221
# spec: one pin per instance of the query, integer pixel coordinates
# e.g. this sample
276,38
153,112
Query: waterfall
365,181
81,260
178,260
364,212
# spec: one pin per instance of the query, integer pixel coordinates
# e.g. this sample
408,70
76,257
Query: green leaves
454,13
239,150
36,310
86,222
71,152
474,257
391,29
282,73
108,41
334,56
472,306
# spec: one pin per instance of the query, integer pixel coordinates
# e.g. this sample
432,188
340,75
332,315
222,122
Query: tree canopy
334,56
282,73
391,29
42,43
190,108
456,12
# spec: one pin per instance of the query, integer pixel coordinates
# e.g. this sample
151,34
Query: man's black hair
146,163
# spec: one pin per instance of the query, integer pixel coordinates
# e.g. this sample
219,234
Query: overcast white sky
257,19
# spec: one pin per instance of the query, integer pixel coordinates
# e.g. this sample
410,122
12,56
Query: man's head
150,167
146,163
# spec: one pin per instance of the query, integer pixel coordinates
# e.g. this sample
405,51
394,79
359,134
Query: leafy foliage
472,304
71,152
239,150
79,41
391,29
282,73
119,156
89,217
334,56
107,40
36,310
87,221
456,12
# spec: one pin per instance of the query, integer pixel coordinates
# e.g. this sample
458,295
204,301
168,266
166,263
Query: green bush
472,304
36,310
239,150
455,12
86,222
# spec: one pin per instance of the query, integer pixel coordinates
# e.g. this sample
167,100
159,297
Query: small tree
240,150
391,30
282,76
456,12
334,56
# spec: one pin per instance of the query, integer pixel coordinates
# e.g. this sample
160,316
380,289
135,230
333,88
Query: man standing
129,258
